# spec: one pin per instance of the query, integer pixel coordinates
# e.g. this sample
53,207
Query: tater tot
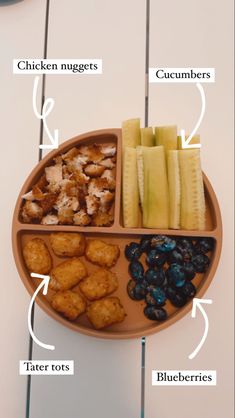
101,253
68,303
99,284
105,312
68,244
37,257
67,274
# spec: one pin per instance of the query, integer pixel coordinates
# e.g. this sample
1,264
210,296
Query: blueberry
132,251
186,249
155,276
159,296
204,245
155,314
139,291
188,290
145,244
154,259
175,257
136,270
176,275
178,300
130,288
149,299
189,270
200,262
163,244
170,292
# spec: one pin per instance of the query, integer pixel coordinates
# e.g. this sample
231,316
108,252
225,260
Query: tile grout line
146,111
30,351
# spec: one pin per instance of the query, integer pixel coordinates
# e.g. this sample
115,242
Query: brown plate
135,323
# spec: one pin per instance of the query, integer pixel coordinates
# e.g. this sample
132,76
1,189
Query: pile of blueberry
172,265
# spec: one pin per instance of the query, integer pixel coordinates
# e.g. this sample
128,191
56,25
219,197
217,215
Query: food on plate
130,193
102,253
99,284
173,172
105,312
78,188
37,257
162,184
68,244
147,137
193,208
172,265
166,136
67,274
131,133
69,304
156,193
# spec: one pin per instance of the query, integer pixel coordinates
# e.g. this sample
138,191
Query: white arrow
46,110
197,304
44,284
186,142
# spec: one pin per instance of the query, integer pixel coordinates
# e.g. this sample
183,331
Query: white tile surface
197,34
107,380
19,24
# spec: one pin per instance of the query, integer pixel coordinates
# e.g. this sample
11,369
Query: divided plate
135,323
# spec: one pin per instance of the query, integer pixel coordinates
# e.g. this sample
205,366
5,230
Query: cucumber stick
174,188
195,140
166,136
131,133
147,137
130,192
140,170
156,196
192,190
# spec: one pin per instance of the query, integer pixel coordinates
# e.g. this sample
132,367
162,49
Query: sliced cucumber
192,190
156,195
131,133
130,192
140,170
147,137
166,136
174,188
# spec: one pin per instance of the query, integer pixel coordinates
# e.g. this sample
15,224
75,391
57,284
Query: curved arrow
186,142
46,110
44,284
197,303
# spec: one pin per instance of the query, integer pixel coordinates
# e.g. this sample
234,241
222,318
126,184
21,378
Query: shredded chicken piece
102,219
92,204
28,196
92,152
81,218
108,150
108,163
48,202
65,201
31,212
54,173
50,220
65,216
73,152
94,170
106,201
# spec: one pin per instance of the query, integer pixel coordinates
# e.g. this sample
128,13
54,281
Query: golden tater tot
101,253
105,312
69,244
37,257
69,303
99,284
67,274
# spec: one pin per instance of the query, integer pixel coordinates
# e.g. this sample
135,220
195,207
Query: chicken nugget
69,244
105,312
99,284
67,274
37,257
101,253
69,304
